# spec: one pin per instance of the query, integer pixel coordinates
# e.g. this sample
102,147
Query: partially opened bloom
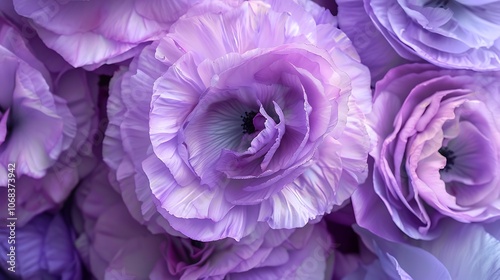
437,154
115,246
44,249
92,32
247,112
44,126
452,34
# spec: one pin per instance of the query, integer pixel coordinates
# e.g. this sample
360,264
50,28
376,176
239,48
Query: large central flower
251,118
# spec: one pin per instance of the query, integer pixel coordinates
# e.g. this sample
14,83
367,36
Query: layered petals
46,128
228,126
437,150
450,34
42,248
113,30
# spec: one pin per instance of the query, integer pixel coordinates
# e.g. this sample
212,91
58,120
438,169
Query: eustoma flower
246,112
92,32
43,128
449,33
115,246
438,151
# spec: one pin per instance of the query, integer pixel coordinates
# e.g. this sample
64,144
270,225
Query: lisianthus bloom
44,249
462,252
452,34
44,127
437,154
113,245
92,32
247,112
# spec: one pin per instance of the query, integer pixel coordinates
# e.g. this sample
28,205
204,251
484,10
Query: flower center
247,124
450,158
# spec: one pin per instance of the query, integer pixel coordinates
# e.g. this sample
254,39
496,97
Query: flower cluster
258,139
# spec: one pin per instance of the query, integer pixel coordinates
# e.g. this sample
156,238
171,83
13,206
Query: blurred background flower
113,245
459,34
46,127
44,249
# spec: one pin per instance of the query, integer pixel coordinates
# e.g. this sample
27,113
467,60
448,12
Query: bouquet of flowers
257,139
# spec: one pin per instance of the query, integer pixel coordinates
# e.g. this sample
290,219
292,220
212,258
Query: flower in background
110,242
115,246
437,154
45,127
93,32
462,252
44,249
264,254
374,50
247,112
452,34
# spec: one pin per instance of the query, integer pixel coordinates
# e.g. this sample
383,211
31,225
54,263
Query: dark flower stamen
450,158
247,124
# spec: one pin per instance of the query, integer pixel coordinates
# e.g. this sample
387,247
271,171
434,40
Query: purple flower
391,260
264,254
44,128
462,252
451,34
92,32
44,249
110,242
374,50
115,246
438,152
245,113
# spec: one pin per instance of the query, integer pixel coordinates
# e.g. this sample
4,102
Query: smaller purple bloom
392,260
44,249
462,252
460,34
437,154
110,242
374,50
92,32
264,254
45,127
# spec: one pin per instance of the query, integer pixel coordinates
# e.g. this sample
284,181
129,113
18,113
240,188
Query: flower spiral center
450,158
247,124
